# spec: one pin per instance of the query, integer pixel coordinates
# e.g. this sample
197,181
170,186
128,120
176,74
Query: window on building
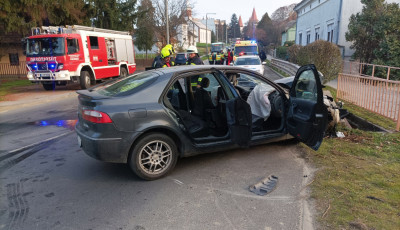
330,33
308,37
94,43
316,33
300,38
14,59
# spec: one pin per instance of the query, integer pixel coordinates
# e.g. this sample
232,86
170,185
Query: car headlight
60,66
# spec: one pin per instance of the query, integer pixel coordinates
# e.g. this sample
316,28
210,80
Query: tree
113,14
176,13
266,25
145,26
282,13
367,30
20,16
234,29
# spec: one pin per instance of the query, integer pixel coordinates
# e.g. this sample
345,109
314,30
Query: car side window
306,87
177,96
211,87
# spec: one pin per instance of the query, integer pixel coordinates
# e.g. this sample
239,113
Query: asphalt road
48,182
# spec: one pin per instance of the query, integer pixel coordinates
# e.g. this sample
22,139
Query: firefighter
172,50
159,59
218,59
165,60
194,58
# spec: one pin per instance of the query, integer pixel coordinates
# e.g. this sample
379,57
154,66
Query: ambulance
57,55
248,47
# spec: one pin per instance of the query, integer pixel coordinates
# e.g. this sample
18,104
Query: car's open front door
307,115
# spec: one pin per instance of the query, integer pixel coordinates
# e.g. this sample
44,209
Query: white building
192,31
327,20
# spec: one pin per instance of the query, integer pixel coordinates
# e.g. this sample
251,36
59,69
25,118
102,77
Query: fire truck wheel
49,86
85,79
123,73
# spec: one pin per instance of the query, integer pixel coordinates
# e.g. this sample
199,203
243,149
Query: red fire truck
58,55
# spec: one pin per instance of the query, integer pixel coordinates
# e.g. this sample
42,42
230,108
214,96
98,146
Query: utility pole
167,19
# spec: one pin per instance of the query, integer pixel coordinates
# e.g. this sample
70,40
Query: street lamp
167,19
207,31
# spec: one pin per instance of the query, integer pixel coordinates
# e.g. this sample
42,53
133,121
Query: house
327,20
289,34
192,31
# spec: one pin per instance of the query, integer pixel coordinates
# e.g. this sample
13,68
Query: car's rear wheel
153,156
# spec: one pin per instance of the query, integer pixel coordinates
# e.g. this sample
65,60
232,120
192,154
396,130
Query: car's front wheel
153,156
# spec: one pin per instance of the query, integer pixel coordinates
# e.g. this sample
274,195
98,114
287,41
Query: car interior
200,101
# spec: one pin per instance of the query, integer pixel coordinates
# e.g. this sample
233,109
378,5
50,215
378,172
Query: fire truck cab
58,55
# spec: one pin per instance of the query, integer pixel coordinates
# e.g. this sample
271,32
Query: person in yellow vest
165,60
218,59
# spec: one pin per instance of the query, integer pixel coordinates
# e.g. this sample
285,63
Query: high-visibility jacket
218,57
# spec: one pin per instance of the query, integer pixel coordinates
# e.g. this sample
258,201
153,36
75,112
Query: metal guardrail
13,71
377,95
285,66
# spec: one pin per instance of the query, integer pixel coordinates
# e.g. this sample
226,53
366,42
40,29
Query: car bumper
106,149
63,75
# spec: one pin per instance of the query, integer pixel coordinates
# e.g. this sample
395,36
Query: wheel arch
90,70
162,130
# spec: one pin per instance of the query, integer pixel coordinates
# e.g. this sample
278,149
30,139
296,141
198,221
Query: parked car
151,119
252,62
181,58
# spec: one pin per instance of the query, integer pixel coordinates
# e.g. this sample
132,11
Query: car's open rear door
307,115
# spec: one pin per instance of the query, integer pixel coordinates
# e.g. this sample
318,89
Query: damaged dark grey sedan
151,119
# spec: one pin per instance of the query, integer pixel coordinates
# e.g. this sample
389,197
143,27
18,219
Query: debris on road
265,186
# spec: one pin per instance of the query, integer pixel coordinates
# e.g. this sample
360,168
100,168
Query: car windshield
245,50
53,46
128,85
247,61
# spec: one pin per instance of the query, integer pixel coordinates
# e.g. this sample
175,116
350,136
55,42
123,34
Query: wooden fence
13,71
377,95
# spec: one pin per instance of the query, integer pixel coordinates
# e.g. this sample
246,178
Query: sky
225,9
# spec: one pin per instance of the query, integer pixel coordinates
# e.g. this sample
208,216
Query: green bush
293,51
324,55
281,52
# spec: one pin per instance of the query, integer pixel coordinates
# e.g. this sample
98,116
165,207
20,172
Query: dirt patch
36,90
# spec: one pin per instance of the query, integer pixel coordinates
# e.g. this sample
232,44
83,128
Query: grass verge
357,185
10,86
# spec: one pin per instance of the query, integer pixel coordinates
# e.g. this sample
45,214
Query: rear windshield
247,61
128,85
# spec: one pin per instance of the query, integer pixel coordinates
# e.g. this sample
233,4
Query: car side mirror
264,63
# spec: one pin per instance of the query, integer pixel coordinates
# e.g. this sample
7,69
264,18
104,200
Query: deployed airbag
259,102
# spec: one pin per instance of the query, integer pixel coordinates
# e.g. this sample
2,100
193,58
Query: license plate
79,141
44,75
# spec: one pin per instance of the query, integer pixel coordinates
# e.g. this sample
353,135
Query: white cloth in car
259,102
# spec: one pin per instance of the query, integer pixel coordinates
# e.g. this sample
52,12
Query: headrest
205,82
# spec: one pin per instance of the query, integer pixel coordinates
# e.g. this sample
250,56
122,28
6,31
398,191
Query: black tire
85,80
123,72
49,86
146,147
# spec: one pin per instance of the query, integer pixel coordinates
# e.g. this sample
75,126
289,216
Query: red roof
240,21
253,17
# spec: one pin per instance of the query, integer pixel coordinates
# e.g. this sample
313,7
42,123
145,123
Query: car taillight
96,116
